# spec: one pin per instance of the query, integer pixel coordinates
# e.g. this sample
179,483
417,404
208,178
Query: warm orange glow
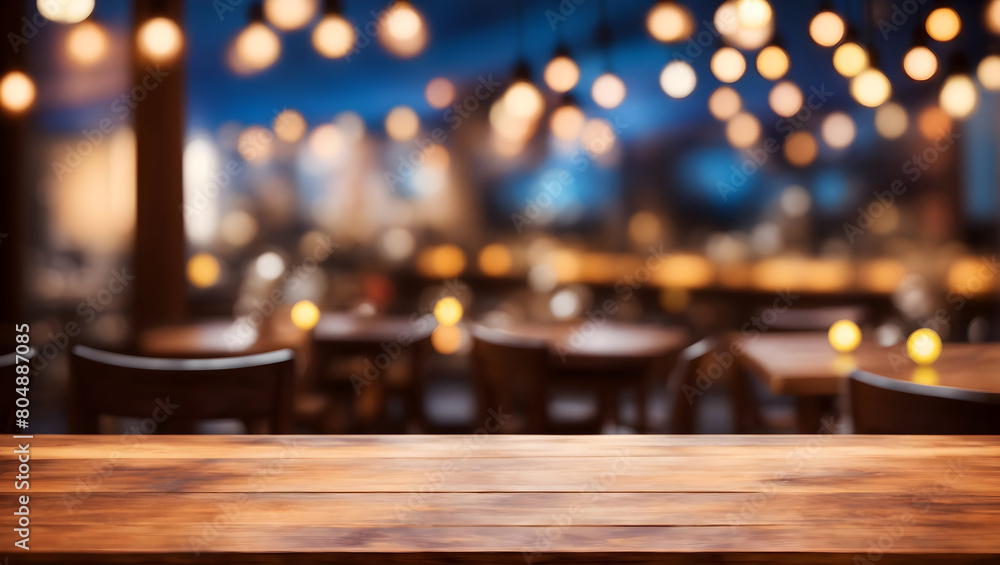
160,39
495,260
443,261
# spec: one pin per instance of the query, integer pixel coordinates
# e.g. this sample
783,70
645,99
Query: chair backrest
7,410
683,386
882,405
250,387
510,373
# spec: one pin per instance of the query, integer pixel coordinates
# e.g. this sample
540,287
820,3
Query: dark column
158,257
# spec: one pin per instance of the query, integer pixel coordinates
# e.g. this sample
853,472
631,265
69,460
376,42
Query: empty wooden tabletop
805,364
503,498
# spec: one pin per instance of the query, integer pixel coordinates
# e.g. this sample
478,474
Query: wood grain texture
805,364
507,499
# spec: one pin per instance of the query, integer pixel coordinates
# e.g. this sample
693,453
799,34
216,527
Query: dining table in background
745,499
804,365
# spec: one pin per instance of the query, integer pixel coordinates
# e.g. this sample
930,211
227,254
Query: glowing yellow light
440,92
871,88
448,311
993,16
724,103
933,122
785,99
728,64
958,96
305,315
844,336
333,37
925,376
446,339
567,122
86,43
326,141
159,39
850,59
838,130
443,261
772,62
289,126
65,11
495,260
523,101
257,47
644,228
743,130
608,91
402,123
800,148
988,71
943,24
203,270
678,79
405,33
844,364
923,346
920,63
891,120
753,14
561,74
17,92
669,22
289,15
727,22
826,29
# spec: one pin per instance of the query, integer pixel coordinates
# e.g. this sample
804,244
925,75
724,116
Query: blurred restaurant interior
580,216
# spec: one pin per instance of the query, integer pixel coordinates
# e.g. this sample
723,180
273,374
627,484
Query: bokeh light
402,123
448,311
668,22
65,11
440,93
678,79
743,130
289,15
728,64
850,59
333,37
920,63
160,39
785,99
87,43
305,315
203,270
289,125
257,47
561,74
844,336
838,130
871,88
608,91
988,72
924,346
17,92
943,24
958,96
567,122
801,149
724,103
772,62
891,120
826,29
495,260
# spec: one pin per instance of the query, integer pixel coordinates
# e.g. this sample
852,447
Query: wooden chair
682,385
7,410
882,405
250,388
511,373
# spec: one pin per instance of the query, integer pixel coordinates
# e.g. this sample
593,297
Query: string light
844,336
289,15
772,62
567,120
402,123
801,149
826,28
871,87
891,120
305,315
943,24
753,14
257,47
989,72
785,99
440,93
669,22
992,16
958,96
850,59
920,63
160,39
924,346
743,130
87,43
405,33
65,11
724,103
678,79
838,130
728,64
17,92
561,73
333,37
608,91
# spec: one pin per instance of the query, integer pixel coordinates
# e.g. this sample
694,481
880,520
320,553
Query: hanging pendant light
561,73
920,62
959,96
257,47
608,90
826,28
333,37
870,87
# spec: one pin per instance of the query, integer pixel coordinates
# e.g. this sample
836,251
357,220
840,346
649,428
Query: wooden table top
218,337
805,364
506,498
343,326
587,341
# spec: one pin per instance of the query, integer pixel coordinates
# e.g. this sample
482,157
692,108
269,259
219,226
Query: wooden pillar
13,224
159,254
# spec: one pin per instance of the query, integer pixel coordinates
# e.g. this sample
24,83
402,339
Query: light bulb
326,141
86,43
753,14
844,336
992,16
785,99
608,91
920,63
402,123
871,88
838,130
958,96
800,148
448,311
257,47
17,92
728,64
989,72
850,59
333,37
562,73
891,120
404,31
567,122
826,29
65,11
289,125
678,79
943,24
772,62
523,101
440,92
203,270
724,103
160,39
289,15
924,346
669,22
743,130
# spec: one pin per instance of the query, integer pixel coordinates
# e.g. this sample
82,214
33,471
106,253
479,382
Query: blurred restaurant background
207,178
